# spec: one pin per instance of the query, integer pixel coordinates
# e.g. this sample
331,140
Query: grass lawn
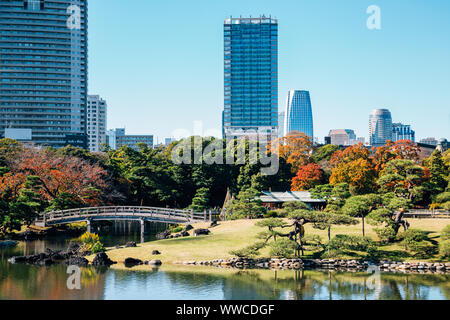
231,235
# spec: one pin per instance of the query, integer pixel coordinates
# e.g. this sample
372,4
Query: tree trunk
363,231
329,233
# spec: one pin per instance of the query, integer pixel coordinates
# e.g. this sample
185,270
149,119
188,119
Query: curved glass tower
380,127
298,114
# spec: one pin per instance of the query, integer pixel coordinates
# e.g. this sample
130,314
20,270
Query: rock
101,259
163,235
198,232
46,262
18,259
184,234
155,252
72,249
130,262
213,224
77,261
131,244
188,227
155,262
8,244
118,247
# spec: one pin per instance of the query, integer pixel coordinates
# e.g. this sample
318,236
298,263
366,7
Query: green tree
201,200
247,206
361,206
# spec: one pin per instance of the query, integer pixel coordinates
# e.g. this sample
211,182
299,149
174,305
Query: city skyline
348,76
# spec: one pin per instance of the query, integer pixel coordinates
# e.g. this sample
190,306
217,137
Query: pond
205,283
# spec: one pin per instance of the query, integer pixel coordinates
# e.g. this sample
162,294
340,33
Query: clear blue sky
159,63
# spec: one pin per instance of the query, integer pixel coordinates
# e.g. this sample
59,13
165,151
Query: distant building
380,127
250,77
281,120
298,113
117,139
168,141
342,137
402,132
96,122
275,200
327,140
430,141
443,145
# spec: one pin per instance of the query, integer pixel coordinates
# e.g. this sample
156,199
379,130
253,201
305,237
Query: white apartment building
96,122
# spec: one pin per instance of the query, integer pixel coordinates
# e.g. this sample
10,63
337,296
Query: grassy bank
231,235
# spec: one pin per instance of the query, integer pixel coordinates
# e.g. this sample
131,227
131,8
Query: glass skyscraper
43,70
380,127
250,76
299,116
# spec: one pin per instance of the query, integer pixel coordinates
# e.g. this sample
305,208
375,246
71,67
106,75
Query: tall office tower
402,132
380,127
251,77
299,116
342,137
96,122
281,117
43,77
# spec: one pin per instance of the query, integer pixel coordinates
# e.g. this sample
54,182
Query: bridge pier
142,221
88,226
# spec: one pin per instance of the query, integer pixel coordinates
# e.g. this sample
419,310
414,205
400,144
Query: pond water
204,283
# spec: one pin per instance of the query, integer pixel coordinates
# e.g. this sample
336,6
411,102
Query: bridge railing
153,212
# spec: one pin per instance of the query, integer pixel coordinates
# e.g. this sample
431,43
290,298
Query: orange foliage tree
307,177
354,166
402,149
60,176
296,148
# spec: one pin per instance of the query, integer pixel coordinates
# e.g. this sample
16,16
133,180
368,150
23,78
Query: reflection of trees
34,282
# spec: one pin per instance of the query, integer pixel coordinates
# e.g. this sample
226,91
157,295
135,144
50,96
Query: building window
34,5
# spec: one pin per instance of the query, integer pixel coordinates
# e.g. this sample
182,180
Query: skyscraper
342,137
402,132
281,117
43,77
380,127
96,122
251,76
299,113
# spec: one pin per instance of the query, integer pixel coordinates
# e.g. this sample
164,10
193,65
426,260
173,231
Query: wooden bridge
125,213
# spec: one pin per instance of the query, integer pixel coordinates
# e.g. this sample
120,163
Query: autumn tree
296,148
402,149
307,177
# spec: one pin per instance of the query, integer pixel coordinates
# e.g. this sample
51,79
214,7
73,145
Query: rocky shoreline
323,264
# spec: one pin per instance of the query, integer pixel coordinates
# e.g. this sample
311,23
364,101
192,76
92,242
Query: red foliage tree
307,177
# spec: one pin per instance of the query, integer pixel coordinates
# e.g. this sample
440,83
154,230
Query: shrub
248,252
444,249
177,229
386,234
417,241
89,238
342,242
91,242
445,233
97,247
283,248
271,214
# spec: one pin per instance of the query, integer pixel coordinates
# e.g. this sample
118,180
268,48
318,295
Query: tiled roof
304,196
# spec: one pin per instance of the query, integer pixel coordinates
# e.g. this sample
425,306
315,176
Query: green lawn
231,235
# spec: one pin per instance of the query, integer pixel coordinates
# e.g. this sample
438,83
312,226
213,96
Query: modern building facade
299,115
250,76
117,139
380,127
342,137
96,122
43,63
402,132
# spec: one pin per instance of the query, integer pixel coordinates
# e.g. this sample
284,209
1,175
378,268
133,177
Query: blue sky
159,63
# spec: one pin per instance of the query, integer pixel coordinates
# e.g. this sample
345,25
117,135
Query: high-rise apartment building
342,137
43,70
298,111
96,122
402,132
250,76
380,127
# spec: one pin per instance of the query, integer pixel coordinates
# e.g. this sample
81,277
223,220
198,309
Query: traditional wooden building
275,200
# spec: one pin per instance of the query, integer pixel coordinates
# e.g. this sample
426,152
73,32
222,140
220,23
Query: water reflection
181,282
